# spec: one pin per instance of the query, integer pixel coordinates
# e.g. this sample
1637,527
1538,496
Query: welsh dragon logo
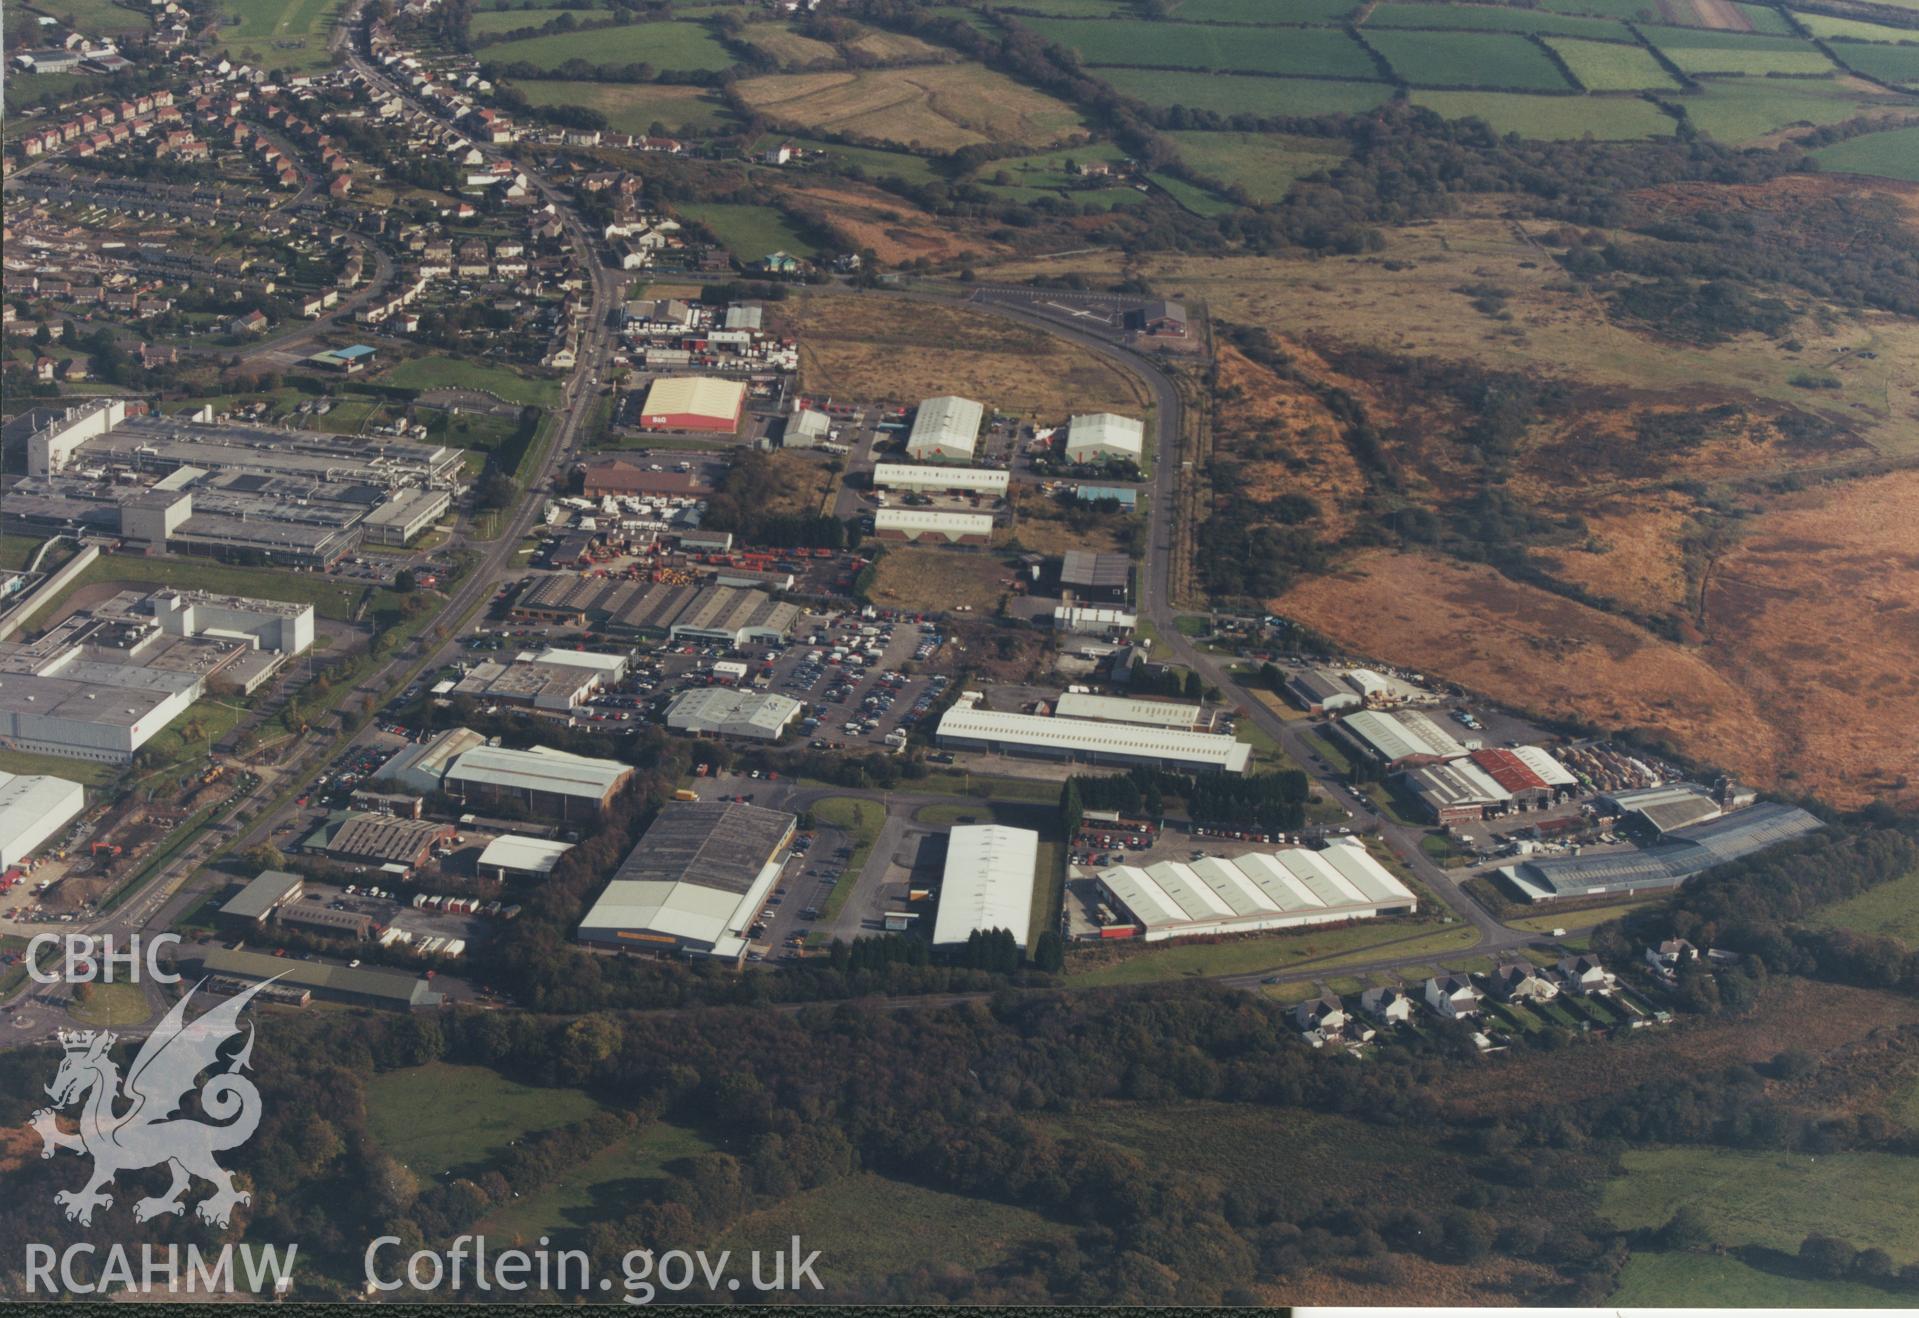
148,1132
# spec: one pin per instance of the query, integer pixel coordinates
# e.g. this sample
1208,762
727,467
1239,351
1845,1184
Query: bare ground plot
802,483
941,107
895,229
891,349
1284,438
924,578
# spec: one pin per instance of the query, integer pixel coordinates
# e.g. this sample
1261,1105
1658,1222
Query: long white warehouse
1124,709
1261,890
1105,436
988,883
34,807
965,480
967,727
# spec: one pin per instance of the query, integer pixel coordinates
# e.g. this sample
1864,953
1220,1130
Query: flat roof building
1105,437
515,857
695,883
703,402
988,883
725,712
945,428
1455,792
33,808
609,473
549,688
926,524
1260,890
958,480
255,902
401,519
543,779
967,726
1667,863
361,986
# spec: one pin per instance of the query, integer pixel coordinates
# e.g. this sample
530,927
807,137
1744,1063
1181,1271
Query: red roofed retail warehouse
694,403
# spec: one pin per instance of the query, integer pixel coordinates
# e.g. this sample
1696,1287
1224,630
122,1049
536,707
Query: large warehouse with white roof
1104,437
961,480
968,727
1396,739
723,712
554,782
1126,709
946,427
988,883
694,883
1260,890
34,807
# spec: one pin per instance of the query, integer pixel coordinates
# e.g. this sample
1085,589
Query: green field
278,34
675,46
636,107
1226,94
1313,52
1736,110
424,373
1892,155
868,1227
1638,10
95,17
1554,118
439,1117
1766,19
486,23
89,772
1468,59
1697,51
1891,908
1851,29
1198,200
1263,165
111,1006
872,161
1770,1198
749,232
1264,11
602,1189
1493,18
1276,952
1603,66
1710,1281
1898,65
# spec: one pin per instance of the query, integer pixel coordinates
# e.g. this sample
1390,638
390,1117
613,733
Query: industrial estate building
422,768
102,683
942,479
988,883
552,783
1260,890
515,857
548,688
33,808
926,524
1321,691
945,429
1126,709
1396,740
297,497
695,882
725,712
1105,437
269,889
1677,856
1096,578
229,969
702,402
609,473
735,615
359,838
966,726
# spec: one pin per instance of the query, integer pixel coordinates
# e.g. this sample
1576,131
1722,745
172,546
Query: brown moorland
895,229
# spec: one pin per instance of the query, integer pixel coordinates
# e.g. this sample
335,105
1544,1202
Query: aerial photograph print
1202,654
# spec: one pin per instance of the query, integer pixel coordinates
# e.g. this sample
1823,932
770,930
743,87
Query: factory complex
303,498
34,808
103,682
1243,894
967,726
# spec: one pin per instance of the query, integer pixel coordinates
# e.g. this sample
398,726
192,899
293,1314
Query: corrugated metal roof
927,519
988,882
944,424
535,855
539,769
1122,709
1105,431
1203,749
1342,879
696,395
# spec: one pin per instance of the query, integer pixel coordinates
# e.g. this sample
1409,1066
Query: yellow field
788,48
942,107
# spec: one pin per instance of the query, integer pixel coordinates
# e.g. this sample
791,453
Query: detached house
1584,974
1669,954
1389,1006
1519,981
1324,1013
1453,997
